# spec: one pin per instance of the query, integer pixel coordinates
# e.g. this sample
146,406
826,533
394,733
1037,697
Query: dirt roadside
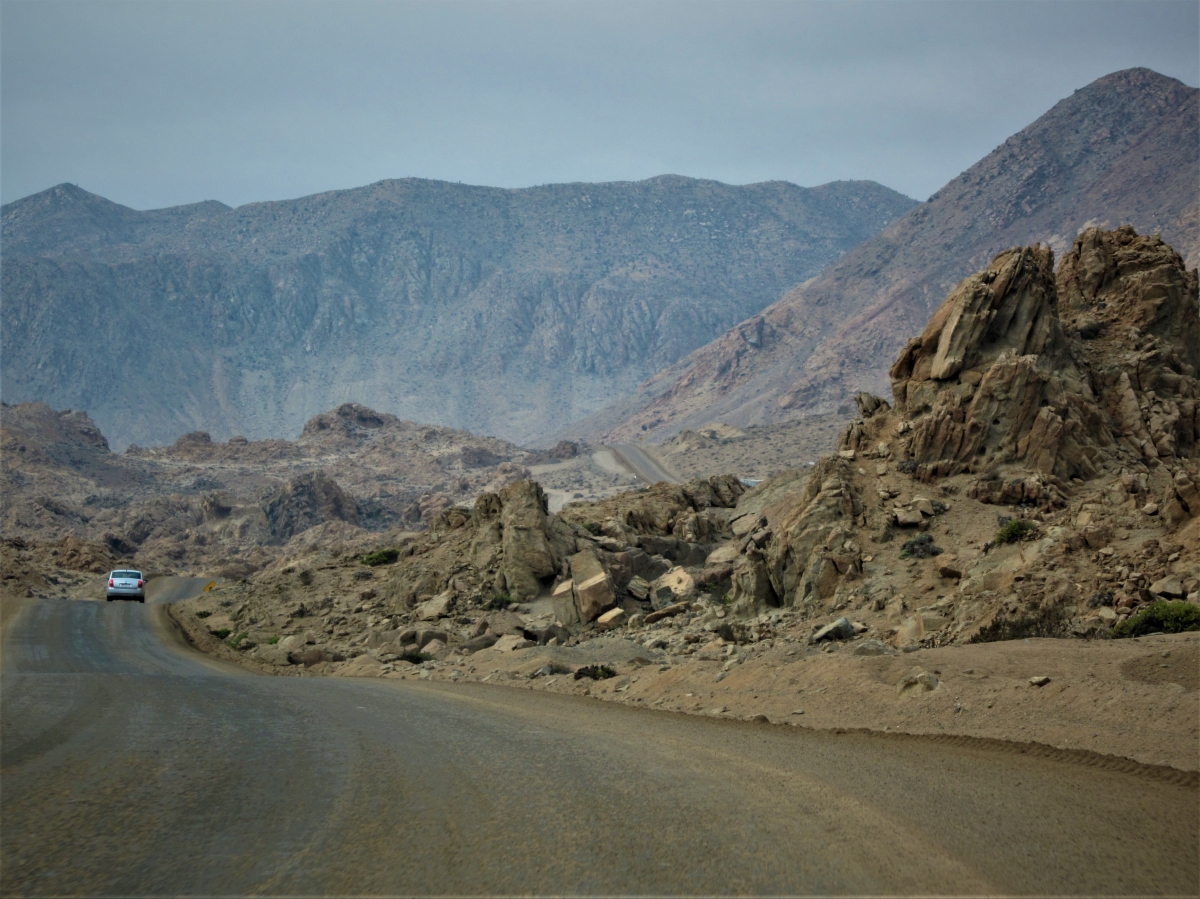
1137,699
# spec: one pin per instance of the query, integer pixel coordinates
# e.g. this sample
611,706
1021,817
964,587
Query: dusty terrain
388,786
756,452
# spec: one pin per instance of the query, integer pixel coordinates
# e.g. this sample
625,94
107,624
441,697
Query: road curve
134,766
643,463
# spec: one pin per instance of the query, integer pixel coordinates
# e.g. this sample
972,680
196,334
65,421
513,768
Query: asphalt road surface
133,766
643,464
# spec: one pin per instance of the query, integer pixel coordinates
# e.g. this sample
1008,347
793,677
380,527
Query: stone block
611,619
565,609
593,597
438,607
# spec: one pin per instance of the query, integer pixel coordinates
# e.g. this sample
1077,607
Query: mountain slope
504,311
1121,150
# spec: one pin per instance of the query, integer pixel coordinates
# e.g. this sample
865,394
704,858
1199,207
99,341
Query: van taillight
110,583
139,583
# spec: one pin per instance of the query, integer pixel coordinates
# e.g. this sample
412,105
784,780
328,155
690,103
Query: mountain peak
1121,150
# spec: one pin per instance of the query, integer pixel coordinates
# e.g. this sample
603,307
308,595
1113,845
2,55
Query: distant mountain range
508,312
1122,150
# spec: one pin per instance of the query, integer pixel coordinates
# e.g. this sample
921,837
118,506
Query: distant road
131,766
643,463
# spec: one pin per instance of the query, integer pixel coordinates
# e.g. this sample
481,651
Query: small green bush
221,633
203,614
595,672
273,640
593,528
1167,616
921,546
234,641
416,657
1015,530
382,557
500,602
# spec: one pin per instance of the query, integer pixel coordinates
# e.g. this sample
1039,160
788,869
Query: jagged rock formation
504,311
305,502
509,544
1025,389
995,380
1121,150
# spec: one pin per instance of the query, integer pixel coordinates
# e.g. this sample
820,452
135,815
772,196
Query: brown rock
594,596
1170,587
528,558
668,612
948,565
611,619
565,608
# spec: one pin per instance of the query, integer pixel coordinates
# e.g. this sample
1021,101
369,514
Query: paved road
132,766
643,463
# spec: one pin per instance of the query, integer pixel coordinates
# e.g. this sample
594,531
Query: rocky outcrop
994,381
305,502
589,558
800,560
1003,377
528,557
1024,387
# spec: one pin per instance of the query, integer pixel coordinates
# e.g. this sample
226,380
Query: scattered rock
917,682
611,619
438,607
872,648
511,643
1040,681
841,629
1170,587
638,587
668,612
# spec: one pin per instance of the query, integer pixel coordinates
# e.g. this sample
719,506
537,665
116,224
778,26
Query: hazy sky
155,104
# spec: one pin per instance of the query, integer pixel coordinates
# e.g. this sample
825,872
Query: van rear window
135,575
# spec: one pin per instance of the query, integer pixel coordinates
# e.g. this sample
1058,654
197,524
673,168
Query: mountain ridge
505,311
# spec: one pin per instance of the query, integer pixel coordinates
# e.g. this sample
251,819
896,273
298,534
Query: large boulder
528,557
810,550
593,587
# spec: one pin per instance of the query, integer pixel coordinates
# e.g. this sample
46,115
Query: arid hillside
1120,151
228,508
505,312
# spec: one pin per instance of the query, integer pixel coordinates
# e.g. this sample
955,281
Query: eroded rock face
810,550
994,379
1002,376
528,558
